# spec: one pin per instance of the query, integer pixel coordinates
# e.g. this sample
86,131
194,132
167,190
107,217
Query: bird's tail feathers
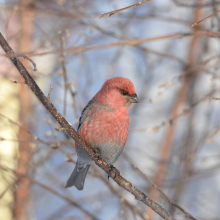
78,175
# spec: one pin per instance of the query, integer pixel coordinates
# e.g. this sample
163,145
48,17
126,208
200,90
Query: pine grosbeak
104,125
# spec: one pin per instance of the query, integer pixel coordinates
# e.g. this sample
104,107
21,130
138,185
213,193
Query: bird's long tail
78,176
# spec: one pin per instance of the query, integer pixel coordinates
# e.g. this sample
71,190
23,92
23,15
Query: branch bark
139,195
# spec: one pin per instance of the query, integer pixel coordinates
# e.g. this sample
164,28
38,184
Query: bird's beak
133,98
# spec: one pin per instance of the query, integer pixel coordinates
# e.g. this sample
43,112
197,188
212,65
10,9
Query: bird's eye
124,93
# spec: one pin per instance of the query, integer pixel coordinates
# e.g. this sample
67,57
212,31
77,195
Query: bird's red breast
105,125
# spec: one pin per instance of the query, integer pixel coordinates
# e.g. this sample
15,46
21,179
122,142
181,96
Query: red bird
104,125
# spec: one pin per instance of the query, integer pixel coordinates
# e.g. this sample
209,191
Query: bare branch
130,42
9,187
25,57
208,4
51,89
59,129
16,82
62,40
205,19
213,98
160,190
122,9
131,207
48,188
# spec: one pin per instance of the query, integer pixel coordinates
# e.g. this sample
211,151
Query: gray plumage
77,177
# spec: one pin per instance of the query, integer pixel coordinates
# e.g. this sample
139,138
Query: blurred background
174,129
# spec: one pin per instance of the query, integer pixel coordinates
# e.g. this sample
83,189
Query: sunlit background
174,129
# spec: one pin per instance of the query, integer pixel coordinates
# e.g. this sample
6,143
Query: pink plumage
104,125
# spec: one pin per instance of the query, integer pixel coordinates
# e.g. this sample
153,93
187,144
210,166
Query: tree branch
139,195
122,9
213,98
205,19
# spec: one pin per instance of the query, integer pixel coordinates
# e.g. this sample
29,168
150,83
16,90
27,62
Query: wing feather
84,115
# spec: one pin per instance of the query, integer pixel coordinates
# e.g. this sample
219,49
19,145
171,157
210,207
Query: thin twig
123,211
170,121
164,195
60,129
213,98
57,146
25,57
122,9
130,42
64,72
51,89
29,132
49,189
9,187
205,19
201,5
135,211
16,82
54,134
138,194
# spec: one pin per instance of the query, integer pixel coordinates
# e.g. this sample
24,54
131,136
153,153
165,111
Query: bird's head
117,92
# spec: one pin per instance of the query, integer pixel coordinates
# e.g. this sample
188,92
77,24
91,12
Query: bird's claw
116,171
97,153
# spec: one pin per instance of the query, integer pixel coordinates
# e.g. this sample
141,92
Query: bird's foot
97,153
116,171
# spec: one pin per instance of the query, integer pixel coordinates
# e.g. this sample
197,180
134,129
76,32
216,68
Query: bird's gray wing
84,114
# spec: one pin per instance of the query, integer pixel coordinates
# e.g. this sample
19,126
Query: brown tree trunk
24,96
189,80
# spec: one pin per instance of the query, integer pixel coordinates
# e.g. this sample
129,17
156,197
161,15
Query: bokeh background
174,129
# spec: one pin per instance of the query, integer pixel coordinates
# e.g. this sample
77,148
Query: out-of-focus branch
167,144
131,42
48,188
139,195
189,149
70,201
184,112
205,19
208,4
51,89
213,98
131,207
122,9
160,190
188,80
33,63
62,40
9,187
29,132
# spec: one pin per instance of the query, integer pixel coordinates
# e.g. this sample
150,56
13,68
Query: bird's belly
110,152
